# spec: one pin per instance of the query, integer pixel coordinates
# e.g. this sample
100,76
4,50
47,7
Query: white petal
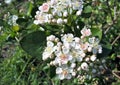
65,50
68,76
50,44
61,76
58,70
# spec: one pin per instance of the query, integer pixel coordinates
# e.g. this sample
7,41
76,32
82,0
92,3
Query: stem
114,73
108,28
114,18
23,70
49,79
61,81
115,40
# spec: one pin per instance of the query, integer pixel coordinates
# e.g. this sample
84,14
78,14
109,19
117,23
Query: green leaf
97,32
88,9
30,7
34,43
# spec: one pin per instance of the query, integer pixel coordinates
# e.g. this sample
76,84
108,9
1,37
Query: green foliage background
21,47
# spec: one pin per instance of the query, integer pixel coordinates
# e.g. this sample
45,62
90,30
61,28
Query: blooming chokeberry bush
59,42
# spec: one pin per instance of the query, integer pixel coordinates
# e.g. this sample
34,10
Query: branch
115,40
114,73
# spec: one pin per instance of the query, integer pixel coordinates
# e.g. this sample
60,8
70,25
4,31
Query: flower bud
73,65
65,20
59,21
100,51
93,58
73,73
94,71
53,20
65,14
78,12
89,49
87,59
84,66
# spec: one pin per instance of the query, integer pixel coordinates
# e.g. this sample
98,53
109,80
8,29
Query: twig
22,70
61,81
115,40
108,27
114,18
113,72
49,79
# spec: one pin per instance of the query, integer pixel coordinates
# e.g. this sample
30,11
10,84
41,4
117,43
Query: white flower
84,46
84,66
51,38
12,20
93,58
77,5
8,1
41,18
76,55
62,58
44,7
48,50
56,9
64,72
67,38
68,51
14,17
86,32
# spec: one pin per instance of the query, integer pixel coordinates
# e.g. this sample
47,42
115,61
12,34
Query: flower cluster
58,11
71,54
12,20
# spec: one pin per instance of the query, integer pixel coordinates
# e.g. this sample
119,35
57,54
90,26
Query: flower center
45,7
63,57
48,49
64,72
